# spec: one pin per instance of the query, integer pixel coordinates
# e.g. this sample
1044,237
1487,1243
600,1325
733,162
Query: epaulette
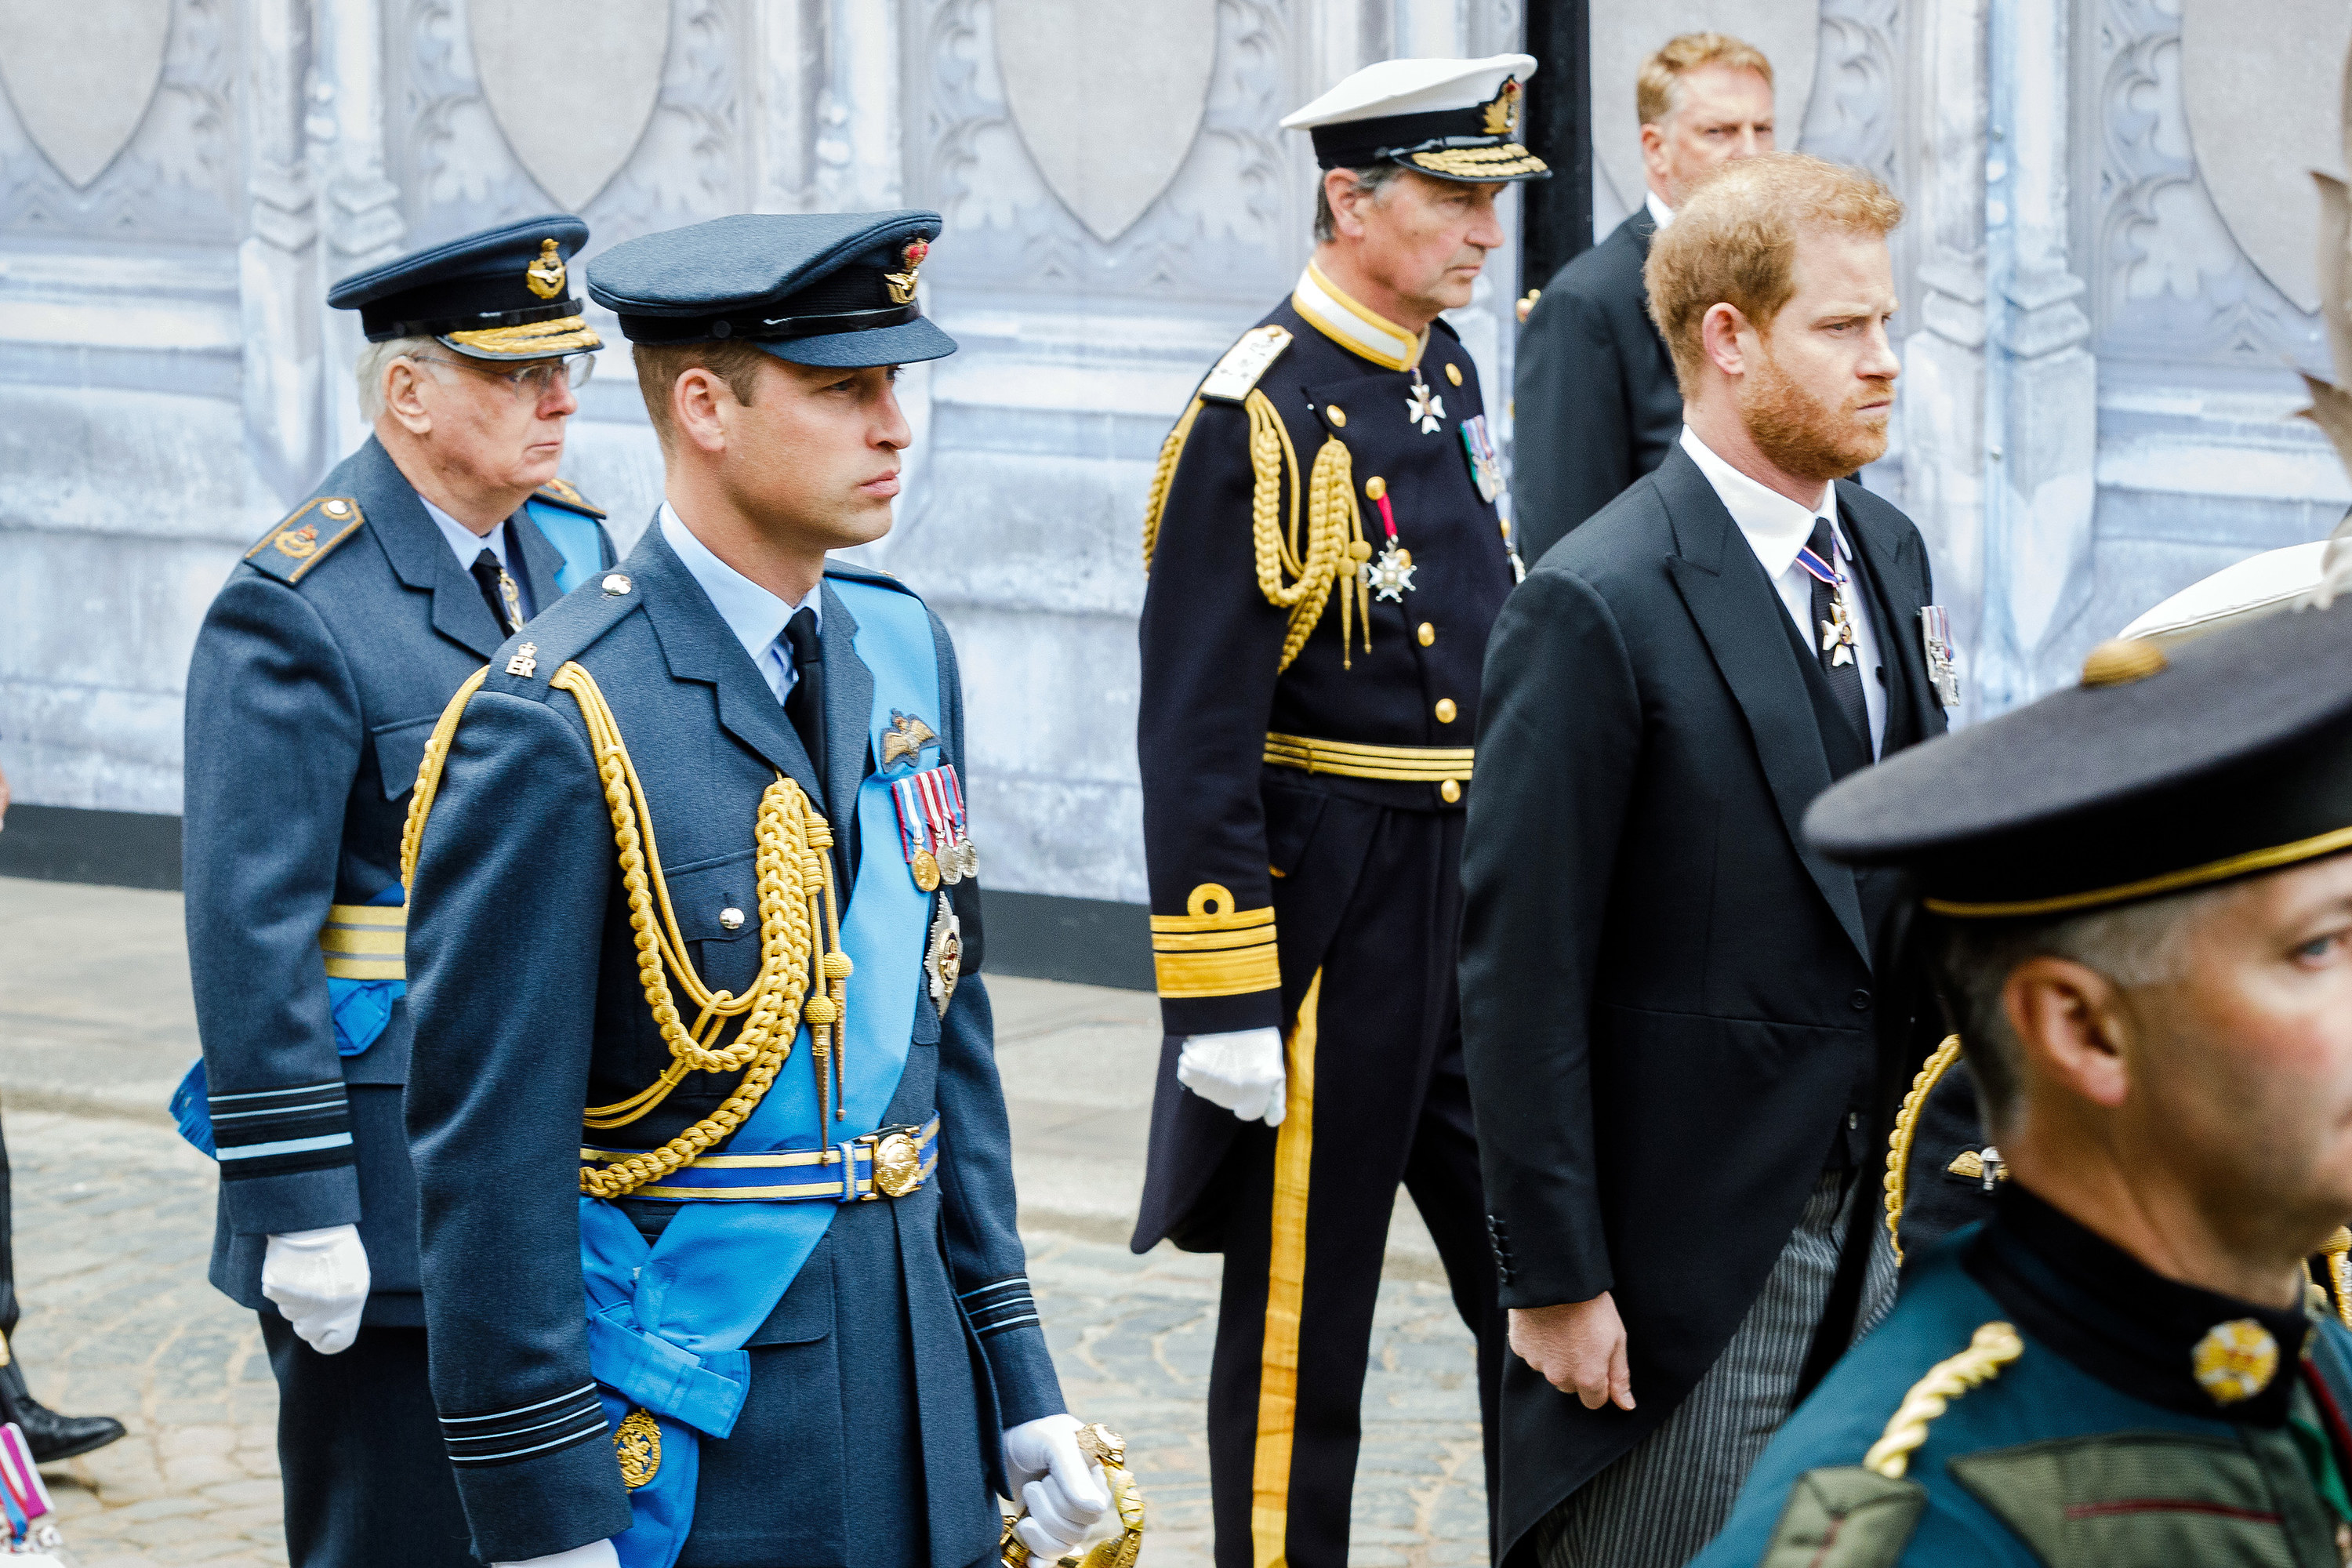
563,492
528,660
289,550
1250,358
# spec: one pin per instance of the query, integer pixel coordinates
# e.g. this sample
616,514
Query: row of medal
934,828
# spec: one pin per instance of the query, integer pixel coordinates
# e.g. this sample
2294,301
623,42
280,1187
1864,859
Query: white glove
595,1555
318,1279
1061,1488
1240,1071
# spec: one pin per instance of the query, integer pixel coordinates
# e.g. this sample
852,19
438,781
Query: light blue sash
577,538
667,1324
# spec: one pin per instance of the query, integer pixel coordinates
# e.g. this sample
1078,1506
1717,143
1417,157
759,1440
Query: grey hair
1373,180
369,367
2137,945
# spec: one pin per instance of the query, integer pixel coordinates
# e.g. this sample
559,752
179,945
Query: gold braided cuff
1407,764
1214,949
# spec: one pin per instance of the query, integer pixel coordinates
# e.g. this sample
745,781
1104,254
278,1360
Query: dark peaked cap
836,290
2168,769
502,293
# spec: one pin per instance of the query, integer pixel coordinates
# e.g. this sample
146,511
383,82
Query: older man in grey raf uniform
318,675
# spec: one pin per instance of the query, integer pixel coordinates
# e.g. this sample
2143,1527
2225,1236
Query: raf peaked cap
2167,769
1458,119
502,294
834,289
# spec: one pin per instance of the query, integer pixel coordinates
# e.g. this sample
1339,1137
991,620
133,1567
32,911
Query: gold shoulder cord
1992,1347
1335,525
1906,1128
800,934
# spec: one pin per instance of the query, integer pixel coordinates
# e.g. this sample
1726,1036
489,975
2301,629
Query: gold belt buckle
897,1156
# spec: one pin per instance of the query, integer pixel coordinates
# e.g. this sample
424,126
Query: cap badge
2235,1361
1503,109
544,276
902,284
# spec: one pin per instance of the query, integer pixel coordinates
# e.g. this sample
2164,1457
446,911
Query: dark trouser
367,1479
8,1252
1376,1096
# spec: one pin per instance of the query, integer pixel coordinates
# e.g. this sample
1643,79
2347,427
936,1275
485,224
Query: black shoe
50,1436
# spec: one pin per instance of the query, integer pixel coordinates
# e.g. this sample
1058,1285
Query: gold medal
926,867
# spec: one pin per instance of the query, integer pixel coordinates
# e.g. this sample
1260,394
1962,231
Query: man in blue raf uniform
1326,556
718,1240
2138,904
318,675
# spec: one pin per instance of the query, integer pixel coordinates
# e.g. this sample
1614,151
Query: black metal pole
1557,221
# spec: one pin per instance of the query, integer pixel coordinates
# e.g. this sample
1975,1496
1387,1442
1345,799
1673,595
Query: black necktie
498,591
1840,654
805,704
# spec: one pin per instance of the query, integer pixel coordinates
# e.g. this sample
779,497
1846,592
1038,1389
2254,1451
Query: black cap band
1359,144
435,326
762,329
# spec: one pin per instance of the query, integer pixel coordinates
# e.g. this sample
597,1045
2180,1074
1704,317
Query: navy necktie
805,704
1833,642
498,591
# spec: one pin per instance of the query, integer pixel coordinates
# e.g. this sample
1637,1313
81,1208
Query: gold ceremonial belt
887,1163
1406,764
365,942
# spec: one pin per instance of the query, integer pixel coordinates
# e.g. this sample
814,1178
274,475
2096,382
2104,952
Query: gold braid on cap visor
2220,871
532,340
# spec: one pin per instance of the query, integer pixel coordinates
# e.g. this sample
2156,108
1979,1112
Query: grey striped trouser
1666,1498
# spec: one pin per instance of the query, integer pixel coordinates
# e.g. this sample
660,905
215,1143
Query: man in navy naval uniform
719,1228
1326,556
2137,905
317,674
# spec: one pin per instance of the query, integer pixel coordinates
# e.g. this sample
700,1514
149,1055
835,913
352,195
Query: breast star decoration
1424,407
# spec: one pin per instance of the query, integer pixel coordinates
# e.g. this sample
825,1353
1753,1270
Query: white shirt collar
463,542
755,615
1776,526
1350,325
1661,214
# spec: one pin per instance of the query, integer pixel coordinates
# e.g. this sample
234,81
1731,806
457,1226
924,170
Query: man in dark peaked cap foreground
751,1293
317,676
2136,898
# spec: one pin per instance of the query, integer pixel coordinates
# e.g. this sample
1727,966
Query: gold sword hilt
1107,1448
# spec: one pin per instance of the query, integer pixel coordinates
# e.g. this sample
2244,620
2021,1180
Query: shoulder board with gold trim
289,551
853,571
563,492
1245,362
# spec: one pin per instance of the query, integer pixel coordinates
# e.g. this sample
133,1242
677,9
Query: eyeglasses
531,382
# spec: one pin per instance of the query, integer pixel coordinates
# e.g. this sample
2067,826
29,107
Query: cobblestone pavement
114,1223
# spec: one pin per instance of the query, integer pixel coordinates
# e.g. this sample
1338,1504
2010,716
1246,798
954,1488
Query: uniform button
337,509
1427,634
731,918
1445,710
1336,414
616,585
1858,1000
1454,373
1449,791
1852,1120
1375,487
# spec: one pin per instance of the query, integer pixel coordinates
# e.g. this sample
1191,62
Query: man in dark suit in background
1667,1011
1596,403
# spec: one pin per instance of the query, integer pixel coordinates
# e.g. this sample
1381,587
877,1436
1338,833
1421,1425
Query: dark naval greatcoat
317,674
880,1383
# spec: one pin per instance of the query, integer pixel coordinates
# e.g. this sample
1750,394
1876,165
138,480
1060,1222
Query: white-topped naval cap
2254,586
1412,86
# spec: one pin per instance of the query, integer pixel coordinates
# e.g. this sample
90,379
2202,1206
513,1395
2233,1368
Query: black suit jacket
1666,997
1596,405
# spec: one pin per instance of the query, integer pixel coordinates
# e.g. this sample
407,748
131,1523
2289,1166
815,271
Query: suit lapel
420,557
1885,550
698,646
540,561
848,726
1740,616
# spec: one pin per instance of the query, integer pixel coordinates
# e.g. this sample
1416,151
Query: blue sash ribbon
577,539
668,1321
